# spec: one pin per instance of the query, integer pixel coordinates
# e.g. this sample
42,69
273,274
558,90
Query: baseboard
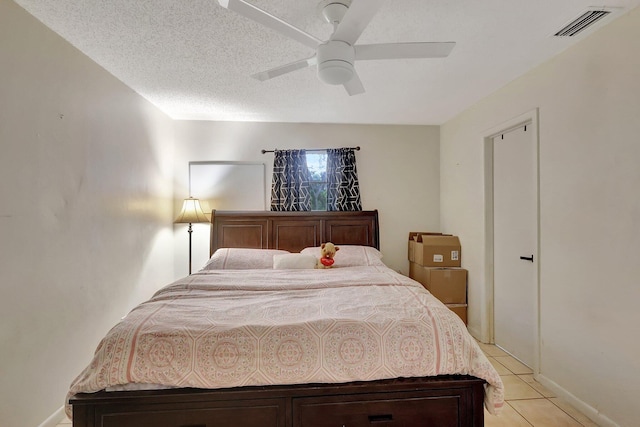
54,419
588,410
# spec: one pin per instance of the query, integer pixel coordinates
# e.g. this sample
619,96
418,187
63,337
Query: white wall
589,104
397,167
86,211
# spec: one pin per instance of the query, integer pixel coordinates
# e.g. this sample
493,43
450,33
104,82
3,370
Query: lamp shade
191,212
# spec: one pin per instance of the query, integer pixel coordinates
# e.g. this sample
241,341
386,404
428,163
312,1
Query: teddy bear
327,252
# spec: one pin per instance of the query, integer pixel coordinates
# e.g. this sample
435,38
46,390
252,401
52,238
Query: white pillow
350,255
294,262
242,259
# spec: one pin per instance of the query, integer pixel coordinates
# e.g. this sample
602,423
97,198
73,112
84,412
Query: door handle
527,258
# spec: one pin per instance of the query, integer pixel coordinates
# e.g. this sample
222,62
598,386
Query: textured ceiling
193,59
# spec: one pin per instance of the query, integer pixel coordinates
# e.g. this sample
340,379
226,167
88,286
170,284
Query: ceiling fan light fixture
335,62
335,72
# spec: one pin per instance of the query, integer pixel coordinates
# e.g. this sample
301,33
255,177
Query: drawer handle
380,418
195,425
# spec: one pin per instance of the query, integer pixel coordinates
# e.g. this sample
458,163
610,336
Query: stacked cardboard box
434,261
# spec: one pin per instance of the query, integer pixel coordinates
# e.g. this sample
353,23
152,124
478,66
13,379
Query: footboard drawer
244,413
416,409
257,416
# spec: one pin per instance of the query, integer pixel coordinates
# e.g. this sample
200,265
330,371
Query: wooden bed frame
292,231
411,402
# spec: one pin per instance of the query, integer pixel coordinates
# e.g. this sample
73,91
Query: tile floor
528,403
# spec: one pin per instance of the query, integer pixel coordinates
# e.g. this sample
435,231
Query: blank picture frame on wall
228,185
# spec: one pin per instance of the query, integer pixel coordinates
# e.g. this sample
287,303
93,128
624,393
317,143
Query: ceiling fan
335,57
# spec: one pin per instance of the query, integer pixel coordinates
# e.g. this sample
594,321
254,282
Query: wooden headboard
292,231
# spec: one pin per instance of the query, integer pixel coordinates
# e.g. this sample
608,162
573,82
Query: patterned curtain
290,185
343,188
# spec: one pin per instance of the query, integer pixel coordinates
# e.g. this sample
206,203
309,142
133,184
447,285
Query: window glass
317,165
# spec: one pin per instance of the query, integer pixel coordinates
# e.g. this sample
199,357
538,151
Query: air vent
582,22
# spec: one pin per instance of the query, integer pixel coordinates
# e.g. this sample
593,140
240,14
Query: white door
515,225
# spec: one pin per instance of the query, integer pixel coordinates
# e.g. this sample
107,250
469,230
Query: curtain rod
311,149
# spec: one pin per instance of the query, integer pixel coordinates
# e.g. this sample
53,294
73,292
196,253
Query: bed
241,343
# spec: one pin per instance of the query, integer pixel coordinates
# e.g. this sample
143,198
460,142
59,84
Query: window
317,165
315,180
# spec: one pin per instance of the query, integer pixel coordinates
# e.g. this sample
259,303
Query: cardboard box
415,272
460,310
437,251
412,244
411,250
449,285
414,238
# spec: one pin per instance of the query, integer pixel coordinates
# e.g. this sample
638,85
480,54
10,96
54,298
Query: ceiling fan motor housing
335,62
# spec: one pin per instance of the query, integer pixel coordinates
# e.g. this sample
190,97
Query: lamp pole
190,230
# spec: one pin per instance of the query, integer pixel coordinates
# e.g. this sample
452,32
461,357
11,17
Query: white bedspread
227,328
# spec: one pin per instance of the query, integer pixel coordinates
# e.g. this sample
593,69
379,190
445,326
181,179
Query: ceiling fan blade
354,86
268,20
404,50
284,69
356,20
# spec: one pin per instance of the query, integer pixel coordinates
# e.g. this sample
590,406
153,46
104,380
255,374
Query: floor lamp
191,213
